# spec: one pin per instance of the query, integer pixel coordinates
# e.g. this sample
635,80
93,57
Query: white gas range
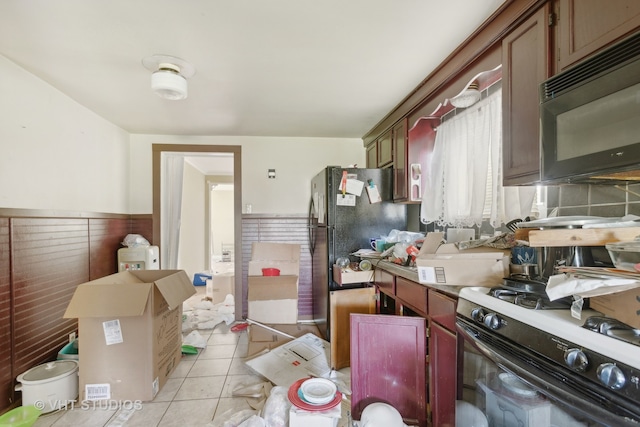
592,371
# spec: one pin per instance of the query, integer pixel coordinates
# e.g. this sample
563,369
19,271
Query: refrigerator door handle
310,228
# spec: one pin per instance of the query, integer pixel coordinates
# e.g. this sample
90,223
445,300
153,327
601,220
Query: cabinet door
420,141
385,150
585,26
388,365
443,371
525,65
372,155
342,304
400,170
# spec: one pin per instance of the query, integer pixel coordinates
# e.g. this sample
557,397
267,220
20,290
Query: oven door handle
595,404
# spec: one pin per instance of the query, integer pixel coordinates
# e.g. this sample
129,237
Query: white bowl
381,414
468,415
514,385
318,391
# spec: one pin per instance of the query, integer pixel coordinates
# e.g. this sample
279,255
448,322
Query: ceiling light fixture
169,76
469,96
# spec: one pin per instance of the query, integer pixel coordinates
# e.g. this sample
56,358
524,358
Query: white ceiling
306,68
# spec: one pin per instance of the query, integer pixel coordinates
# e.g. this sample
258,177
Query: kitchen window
463,185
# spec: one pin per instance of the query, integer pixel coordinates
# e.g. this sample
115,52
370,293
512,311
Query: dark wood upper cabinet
372,155
586,26
385,150
525,65
400,170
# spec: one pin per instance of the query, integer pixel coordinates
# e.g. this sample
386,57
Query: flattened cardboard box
261,338
274,299
131,329
444,264
623,306
304,356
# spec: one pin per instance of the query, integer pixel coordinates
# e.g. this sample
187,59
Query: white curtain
171,208
464,178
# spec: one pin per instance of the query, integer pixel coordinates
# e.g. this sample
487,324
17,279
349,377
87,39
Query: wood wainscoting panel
105,237
50,257
6,360
143,225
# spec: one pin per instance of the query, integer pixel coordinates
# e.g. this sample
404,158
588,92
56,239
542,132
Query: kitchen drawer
385,281
412,293
442,309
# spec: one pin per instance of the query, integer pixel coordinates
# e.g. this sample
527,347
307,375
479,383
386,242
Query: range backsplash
594,200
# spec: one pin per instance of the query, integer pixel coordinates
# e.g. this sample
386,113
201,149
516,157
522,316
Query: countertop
411,273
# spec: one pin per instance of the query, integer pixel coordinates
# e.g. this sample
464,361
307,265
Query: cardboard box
302,357
343,277
623,306
301,418
130,324
274,299
444,264
268,337
219,286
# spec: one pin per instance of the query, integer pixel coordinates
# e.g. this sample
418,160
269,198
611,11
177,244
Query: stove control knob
477,314
493,321
576,359
611,376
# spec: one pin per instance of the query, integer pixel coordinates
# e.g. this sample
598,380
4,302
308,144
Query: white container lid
48,372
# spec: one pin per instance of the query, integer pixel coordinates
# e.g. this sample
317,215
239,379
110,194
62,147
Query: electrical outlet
72,337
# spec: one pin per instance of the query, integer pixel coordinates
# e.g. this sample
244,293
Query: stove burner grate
613,328
529,294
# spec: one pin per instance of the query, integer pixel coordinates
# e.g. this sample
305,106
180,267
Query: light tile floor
198,393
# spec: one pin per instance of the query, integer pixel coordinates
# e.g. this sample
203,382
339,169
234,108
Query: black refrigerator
341,222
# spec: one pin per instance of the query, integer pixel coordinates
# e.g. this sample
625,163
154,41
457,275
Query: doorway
158,191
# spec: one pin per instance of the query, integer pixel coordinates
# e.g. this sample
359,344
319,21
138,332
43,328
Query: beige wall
55,153
221,219
296,161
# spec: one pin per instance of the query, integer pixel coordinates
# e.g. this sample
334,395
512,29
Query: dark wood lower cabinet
443,361
400,298
443,369
388,365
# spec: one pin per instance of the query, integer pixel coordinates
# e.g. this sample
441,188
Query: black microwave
590,119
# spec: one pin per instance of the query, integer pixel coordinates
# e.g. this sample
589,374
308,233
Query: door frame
187,149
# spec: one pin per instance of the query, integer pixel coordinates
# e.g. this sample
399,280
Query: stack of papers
367,253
